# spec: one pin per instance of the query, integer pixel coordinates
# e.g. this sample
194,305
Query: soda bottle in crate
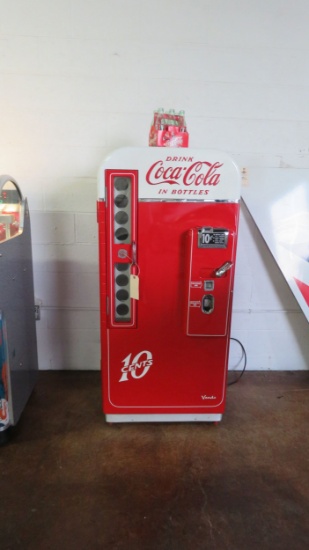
168,129
158,115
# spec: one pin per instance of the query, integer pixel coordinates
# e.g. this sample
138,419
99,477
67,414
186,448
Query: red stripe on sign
304,289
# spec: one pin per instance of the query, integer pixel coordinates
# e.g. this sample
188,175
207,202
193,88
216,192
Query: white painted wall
79,78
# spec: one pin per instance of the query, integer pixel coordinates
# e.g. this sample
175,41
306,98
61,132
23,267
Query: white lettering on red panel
137,367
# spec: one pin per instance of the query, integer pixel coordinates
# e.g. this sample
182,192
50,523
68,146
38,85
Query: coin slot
209,285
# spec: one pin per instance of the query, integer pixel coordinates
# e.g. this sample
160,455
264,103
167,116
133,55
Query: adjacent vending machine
168,222
18,344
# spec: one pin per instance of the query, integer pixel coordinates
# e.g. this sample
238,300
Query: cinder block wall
80,78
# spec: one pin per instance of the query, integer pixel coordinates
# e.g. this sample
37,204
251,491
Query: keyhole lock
208,303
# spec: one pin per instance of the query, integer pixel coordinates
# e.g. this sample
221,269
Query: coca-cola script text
198,173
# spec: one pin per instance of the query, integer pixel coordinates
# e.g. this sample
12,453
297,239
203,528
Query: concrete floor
70,481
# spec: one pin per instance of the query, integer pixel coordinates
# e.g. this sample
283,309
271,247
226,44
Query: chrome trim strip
163,417
190,200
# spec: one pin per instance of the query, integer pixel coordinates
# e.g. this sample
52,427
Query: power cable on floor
244,355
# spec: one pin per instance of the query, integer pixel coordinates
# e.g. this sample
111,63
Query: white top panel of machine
176,174
278,200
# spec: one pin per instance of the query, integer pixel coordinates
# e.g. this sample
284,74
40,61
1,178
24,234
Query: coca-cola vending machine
168,222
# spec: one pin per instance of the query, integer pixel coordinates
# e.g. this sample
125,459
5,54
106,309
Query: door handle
223,269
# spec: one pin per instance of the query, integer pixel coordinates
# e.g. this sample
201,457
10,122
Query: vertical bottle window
122,235
122,210
122,292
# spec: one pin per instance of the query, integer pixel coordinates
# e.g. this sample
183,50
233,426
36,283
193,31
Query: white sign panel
177,174
278,200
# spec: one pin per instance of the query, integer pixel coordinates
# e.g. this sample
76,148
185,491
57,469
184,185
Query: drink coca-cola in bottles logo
184,176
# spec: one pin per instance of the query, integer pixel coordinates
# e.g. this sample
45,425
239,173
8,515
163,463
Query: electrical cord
244,355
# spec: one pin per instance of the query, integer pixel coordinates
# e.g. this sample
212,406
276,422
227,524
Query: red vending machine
168,222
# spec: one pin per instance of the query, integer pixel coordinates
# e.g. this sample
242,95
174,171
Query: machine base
163,418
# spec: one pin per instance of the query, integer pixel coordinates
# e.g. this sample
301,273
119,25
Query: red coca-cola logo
197,173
